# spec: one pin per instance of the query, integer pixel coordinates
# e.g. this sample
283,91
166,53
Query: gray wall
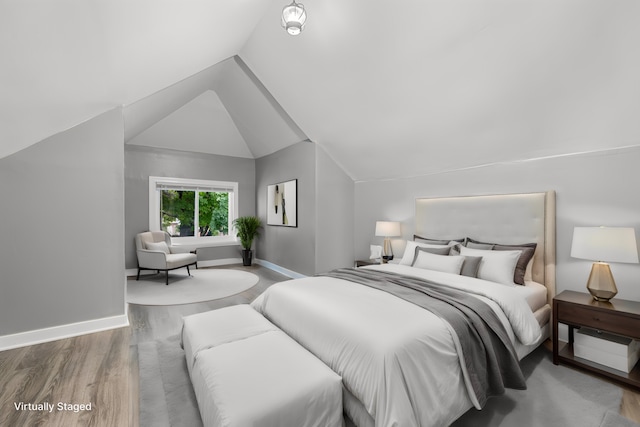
334,214
62,256
142,162
592,190
293,248
323,239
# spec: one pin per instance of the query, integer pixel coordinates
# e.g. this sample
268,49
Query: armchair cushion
158,246
154,260
180,260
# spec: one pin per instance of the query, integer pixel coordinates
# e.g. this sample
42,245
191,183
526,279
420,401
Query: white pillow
445,263
157,246
496,266
410,251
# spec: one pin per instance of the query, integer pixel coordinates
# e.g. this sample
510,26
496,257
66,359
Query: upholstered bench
247,372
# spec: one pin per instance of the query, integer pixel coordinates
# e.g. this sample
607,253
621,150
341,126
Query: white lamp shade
606,244
387,229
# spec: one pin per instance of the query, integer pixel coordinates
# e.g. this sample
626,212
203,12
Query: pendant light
293,18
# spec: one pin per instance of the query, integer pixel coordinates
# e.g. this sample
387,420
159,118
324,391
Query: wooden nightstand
576,309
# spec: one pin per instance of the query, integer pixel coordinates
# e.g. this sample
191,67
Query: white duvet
398,359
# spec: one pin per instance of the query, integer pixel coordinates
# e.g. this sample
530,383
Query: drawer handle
597,319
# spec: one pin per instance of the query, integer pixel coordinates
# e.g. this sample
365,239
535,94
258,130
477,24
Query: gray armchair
156,253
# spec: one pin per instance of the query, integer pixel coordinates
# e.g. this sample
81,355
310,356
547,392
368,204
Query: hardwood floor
90,369
102,368
149,323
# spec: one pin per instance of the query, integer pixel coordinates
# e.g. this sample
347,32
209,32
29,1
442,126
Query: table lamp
603,245
387,229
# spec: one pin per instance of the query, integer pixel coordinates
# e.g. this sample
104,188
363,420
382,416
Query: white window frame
193,185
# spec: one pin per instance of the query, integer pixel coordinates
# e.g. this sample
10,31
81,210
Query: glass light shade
608,244
387,229
293,18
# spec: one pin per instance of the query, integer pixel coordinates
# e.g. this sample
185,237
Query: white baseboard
217,262
278,269
23,339
133,272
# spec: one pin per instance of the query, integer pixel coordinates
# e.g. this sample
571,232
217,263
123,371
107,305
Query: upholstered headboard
506,219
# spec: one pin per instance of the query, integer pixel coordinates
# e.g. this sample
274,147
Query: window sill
192,246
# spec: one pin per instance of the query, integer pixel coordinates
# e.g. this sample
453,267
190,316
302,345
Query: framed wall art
282,204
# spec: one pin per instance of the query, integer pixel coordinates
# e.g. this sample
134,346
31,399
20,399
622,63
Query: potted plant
247,227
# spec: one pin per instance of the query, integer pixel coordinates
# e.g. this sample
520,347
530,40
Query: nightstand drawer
608,321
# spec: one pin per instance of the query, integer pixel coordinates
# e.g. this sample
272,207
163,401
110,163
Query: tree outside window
181,213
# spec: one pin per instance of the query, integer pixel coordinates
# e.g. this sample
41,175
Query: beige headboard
507,219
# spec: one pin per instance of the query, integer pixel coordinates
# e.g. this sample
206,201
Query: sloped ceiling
67,61
202,126
395,89
222,110
388,89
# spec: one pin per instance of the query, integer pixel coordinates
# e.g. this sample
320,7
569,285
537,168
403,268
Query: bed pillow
528,249
495,266
436,251
157,246
435,241
470,266
410,251
474,244
444,263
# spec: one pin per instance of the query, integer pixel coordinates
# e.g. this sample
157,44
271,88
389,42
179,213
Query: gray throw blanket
489,356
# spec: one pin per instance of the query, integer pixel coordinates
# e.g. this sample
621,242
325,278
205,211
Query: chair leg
138,276
188,272
167,280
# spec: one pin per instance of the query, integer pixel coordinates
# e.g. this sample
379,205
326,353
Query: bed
401,365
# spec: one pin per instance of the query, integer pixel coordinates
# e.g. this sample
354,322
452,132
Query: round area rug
202,285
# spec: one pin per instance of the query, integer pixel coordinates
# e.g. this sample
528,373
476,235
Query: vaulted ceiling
388,89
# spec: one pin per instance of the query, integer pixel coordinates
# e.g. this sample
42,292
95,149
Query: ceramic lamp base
601,284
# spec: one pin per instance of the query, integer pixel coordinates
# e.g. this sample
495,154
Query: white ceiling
222,110
388,89
394,89
203,126
66,61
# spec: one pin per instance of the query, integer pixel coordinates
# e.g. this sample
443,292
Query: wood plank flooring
91,369
149,323
102,368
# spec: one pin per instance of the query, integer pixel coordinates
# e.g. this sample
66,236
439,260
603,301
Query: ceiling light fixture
293,18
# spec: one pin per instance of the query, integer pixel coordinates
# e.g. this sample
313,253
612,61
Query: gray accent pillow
470,266
528,249
481,246
436,251
417,238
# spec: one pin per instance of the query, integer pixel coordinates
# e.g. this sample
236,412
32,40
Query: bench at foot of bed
247,372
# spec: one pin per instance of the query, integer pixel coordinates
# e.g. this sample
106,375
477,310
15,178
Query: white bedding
396,358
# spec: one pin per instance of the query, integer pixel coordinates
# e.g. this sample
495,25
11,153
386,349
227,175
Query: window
193,211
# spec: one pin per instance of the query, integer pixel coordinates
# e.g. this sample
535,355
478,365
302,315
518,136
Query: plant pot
246,257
